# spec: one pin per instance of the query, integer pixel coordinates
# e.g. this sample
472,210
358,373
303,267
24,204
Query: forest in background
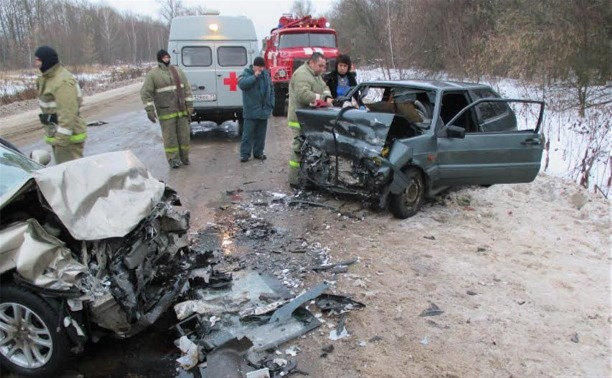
544,41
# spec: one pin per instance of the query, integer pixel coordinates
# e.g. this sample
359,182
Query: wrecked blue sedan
398,142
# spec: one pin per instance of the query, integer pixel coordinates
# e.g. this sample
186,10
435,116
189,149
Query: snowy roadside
21,119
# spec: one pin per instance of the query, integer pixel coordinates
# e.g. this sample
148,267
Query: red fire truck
290,45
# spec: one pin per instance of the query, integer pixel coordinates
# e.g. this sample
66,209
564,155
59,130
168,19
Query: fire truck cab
290,44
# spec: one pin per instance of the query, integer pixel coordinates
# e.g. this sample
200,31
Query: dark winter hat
259,62
160,54
47,56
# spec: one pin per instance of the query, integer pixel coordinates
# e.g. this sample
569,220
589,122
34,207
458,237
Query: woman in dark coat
342,78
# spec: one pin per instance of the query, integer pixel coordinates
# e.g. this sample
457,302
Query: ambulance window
232,56
197,56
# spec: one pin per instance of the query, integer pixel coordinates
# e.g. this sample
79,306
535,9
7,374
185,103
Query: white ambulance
213,51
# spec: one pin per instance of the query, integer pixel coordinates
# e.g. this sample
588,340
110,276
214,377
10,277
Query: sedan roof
429,84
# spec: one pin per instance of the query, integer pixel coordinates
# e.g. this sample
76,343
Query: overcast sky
264,13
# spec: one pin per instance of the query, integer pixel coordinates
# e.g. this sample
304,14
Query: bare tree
170,9
302,8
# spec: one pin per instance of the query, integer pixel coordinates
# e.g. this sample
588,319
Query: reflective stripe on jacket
159,91
59,93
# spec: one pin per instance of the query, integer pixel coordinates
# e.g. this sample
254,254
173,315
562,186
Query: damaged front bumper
355,152
124,283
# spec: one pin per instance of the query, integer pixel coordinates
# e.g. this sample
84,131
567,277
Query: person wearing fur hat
60,99
166,94
257,101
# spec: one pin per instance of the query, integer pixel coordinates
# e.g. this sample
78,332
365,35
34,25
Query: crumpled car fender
38,256
399,156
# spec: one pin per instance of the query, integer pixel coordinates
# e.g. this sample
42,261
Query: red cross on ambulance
231,81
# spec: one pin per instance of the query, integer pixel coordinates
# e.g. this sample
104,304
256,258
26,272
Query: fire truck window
196,56
229,56
322,40
293,40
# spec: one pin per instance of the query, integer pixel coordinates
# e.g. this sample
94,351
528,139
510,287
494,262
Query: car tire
408,202
22,308
280,98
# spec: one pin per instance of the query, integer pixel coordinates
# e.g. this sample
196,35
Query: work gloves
151,115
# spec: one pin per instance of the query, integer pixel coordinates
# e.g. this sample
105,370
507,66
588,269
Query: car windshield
307,39
415,104
14,168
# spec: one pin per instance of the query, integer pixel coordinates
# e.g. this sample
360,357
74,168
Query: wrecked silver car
90,247
397,142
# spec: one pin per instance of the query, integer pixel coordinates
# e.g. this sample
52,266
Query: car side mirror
42,157
455,132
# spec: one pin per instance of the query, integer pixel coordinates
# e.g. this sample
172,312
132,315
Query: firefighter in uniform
306,89
167,92
60,98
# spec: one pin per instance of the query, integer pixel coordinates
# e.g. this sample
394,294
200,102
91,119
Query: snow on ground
571,137
12,83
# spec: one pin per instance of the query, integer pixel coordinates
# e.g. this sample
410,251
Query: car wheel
406,204
30,343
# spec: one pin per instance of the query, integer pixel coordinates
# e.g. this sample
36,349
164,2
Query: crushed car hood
100,196
359,133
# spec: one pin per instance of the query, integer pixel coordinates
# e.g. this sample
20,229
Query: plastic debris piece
191,352
261,373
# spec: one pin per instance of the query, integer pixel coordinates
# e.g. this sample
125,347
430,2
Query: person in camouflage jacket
60,98
166,95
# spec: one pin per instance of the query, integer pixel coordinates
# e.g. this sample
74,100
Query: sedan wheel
29,342
25,339
408,203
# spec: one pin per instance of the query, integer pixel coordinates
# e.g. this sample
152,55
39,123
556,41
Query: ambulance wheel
279,103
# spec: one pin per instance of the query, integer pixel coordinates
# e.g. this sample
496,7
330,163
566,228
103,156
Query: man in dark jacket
257,102
342,78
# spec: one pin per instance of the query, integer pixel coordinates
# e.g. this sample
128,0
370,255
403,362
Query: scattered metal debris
336,265
96,123
432,310
228,360
339,303
340,331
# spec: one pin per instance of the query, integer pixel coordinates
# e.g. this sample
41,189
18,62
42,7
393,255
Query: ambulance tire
280,97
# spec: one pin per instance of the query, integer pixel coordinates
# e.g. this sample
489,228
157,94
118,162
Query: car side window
232,56
200,56
489,110
452,104
493,116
